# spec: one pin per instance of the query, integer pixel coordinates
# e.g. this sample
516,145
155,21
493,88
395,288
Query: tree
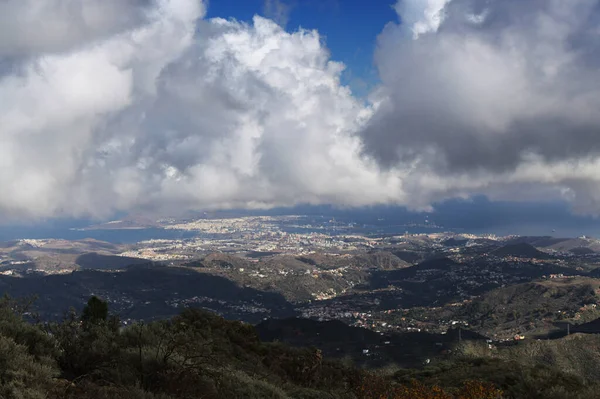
88,344
95,311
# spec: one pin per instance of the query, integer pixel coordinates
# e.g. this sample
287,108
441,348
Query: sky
348,28
162,106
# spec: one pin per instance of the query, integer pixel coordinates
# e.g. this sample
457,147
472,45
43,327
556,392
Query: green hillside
533,308
201,355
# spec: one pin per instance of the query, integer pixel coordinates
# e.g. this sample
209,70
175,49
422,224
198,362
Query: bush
22,376
240,385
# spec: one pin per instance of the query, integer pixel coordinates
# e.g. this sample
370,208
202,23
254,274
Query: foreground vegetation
194,355
200,355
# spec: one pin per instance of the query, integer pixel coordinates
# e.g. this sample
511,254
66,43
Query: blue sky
349,28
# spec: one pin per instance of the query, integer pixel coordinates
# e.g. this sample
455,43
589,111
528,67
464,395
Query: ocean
113,236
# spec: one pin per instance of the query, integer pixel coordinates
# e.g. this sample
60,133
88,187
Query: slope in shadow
147,293
97,261
521,250
337,339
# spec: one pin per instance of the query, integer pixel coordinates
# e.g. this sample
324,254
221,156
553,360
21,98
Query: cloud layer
496,97
175,112
122,105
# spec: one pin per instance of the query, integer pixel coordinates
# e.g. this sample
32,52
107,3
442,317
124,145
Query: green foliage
85,348
95,311
307,393
39,344
200,355
516,380
191,353
21,375
531,308
26,355
87,390
240,385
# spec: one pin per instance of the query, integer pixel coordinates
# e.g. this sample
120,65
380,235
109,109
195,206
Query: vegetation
534,307
565,368
194,355
200,355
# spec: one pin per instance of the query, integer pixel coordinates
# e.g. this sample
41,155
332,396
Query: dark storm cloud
490,92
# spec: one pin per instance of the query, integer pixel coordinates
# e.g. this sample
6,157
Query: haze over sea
477,216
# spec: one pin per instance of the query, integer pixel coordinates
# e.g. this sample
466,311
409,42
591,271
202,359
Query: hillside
56,255
96,261
300,278
339,340
195,354
524,371
532,308
520,250
582,251
539,369
410,257
88,356
574,243
539,241
147,293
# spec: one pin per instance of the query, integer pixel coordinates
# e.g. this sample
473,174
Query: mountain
582,251
363,346
574,243
538,241
520,250
383,278
300,278
323,334
98,261
564,368
58,255
455,242
531,308
146,293
442,263
412,257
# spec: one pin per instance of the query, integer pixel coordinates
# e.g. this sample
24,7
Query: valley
253,269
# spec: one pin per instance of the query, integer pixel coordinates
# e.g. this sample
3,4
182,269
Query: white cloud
177,113
492,104
162,110
56,109
421,16
33,26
